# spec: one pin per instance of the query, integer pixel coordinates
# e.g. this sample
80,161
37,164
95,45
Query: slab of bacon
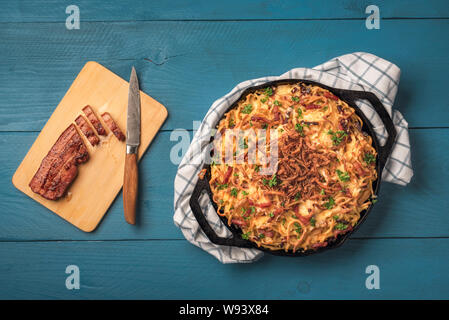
94,120
113,126
60,166
85,128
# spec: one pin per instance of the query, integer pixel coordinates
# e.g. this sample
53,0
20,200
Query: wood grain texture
130,188
101,178
188,65
98,10
417,210
409,269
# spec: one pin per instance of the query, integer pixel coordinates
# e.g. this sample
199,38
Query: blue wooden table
188,53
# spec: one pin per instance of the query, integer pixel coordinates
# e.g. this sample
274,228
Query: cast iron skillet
349,96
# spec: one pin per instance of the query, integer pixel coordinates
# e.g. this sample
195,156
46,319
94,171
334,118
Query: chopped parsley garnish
234,192
336,218
299,110
246,235
312,221
257,168
325,108
298,228
247,109
263,100
297,196
253,209
277,103
341,226
283,221
243,211
271,182
269,91
265,126
330,203
337,137
261,236
222,186
221,201
322,192
369,158
299,128
231,122
236,174
283,204
296,99
374,201
344,176
245,193
271,214
243,144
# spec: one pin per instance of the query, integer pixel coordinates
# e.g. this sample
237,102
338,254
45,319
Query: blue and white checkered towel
356,71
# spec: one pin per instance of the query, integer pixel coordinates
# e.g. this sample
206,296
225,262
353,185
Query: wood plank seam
231,20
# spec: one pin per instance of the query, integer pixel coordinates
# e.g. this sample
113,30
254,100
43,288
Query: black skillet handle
352,96
235,241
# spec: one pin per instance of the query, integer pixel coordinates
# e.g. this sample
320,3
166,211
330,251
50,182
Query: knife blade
133,118
130,179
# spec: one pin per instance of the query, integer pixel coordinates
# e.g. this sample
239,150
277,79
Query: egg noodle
324,170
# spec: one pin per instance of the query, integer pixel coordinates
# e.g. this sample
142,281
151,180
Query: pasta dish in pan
322,176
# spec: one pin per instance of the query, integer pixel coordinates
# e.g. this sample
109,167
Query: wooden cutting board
101,178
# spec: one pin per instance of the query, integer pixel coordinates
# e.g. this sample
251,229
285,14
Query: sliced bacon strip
346,191
113,126
264,204
304,219
94,120
239,222
59,167
330,96
337,232
319,245
276,113
227,175
260,205
85,128
311,106
267,233
359,169
260,119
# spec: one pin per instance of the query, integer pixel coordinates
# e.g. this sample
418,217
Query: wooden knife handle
130,184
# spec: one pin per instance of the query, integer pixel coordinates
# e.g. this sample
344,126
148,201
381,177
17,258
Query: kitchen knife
130,180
